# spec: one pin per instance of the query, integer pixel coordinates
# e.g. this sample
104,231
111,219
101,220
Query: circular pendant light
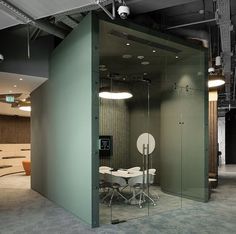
215,80
25,108
107,93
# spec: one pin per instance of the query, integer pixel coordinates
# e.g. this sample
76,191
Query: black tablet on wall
105,146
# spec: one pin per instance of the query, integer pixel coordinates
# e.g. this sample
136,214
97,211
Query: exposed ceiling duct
194,34
224,23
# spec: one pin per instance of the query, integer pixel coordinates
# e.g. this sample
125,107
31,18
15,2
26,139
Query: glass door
129,177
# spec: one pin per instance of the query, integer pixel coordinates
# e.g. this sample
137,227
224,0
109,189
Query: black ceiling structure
207,22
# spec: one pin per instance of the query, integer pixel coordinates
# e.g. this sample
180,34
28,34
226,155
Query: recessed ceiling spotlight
154,51
140,57
14,86
126,56
145,73
128,44
10,91
145,63
20,79
176,56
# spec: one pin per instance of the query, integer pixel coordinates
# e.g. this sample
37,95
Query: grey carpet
25,211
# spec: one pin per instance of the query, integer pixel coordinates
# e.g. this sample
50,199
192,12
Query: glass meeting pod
167,81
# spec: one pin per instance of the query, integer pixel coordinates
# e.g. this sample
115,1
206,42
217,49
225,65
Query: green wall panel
64,125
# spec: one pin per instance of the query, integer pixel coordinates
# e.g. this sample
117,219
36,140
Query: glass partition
168,87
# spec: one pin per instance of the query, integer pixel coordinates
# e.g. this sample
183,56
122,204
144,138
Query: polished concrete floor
25,211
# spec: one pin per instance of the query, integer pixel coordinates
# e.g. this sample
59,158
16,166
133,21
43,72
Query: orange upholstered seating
27,168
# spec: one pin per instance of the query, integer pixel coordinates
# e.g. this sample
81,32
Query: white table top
120,173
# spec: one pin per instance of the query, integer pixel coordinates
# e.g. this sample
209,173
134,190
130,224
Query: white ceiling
41,8
25,86
6,20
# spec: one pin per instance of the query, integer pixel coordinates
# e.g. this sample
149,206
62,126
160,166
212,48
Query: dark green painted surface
64,127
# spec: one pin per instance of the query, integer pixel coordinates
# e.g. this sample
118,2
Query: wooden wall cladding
14,129
114,121
213,136
11,157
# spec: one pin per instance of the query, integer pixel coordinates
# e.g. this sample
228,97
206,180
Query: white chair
116,183
103,185
105,168
122,171
137,183
133,169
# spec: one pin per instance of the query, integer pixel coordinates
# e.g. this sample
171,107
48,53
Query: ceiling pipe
193,23
215,19
224,23
198,35
24,18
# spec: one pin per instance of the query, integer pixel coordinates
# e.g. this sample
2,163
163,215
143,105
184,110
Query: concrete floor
25,211
125,211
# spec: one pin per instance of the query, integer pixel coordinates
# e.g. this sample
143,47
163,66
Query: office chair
137,183
115,183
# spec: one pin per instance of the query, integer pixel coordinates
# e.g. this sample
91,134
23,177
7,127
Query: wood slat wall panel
213,136
114,120
14,129
12,155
